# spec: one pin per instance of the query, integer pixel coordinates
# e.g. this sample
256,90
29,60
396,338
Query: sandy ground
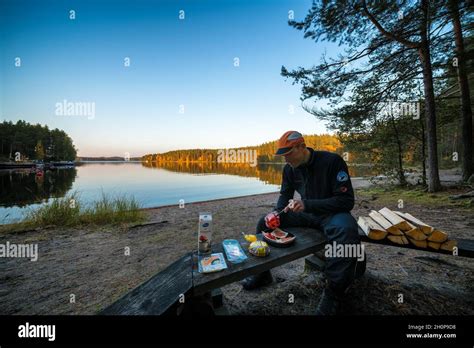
92,265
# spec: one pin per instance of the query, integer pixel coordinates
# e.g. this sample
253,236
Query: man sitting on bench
322,179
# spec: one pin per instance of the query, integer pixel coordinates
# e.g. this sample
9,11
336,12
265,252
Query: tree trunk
430,111
401,172
423,152
466,123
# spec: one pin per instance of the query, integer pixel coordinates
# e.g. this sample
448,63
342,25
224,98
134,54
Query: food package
259,248
233,251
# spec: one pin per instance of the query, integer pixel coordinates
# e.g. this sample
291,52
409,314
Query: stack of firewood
404,228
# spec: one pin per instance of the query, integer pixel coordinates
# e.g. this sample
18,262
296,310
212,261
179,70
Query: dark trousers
340,228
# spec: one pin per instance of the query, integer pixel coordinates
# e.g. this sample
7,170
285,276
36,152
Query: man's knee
342,228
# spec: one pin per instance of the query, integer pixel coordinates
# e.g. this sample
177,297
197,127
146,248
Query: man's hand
272,220
295,205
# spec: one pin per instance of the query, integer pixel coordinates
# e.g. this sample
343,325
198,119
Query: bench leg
315,262
360,267
217,298
197,306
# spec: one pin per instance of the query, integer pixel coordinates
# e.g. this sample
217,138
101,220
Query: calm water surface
151,185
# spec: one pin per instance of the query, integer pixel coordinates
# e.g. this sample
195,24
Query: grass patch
415,195
64,211
71,211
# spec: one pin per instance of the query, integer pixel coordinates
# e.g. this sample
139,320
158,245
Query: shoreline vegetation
70,211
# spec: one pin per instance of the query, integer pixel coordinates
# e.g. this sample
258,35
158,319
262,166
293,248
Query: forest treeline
265,151
366,151
22,141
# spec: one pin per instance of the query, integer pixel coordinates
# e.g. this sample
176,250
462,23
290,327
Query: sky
181,88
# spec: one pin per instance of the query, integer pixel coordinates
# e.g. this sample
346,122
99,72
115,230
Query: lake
151,185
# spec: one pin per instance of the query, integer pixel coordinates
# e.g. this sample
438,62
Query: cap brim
283,151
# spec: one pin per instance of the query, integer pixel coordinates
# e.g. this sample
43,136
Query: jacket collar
311,158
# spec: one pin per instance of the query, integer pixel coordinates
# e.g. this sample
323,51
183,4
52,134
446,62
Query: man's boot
330,302
257,281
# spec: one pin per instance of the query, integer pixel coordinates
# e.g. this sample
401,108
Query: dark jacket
323,183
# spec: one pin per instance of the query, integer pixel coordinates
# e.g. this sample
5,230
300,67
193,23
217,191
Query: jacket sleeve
342,199
287,191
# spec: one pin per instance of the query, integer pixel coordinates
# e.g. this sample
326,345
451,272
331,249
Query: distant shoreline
107,161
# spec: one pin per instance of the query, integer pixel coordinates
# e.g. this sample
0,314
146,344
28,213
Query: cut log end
419,243
416,234
371,228
377,235
395,231
381,221
402,240
438,236
434,245
449,245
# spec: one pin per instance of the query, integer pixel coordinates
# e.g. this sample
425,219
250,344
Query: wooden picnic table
308,241
160,293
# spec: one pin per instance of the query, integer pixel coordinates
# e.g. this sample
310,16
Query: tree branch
386,33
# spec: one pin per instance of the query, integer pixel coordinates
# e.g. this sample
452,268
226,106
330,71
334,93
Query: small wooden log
149,223
438,236
416,234
398,239
395,219
384,223
426,229
434,245
449,245
469,194
419,243
372,229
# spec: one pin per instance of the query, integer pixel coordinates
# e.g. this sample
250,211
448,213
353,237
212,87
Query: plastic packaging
259,248
233,251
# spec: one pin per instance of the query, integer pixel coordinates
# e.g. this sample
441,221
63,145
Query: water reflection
22,187
269,173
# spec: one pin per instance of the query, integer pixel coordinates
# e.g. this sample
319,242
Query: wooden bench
159,294
164,292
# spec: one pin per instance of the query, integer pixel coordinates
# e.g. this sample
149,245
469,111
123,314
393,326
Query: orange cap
288,141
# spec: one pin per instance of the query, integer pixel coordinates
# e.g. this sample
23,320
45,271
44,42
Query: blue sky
173,62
